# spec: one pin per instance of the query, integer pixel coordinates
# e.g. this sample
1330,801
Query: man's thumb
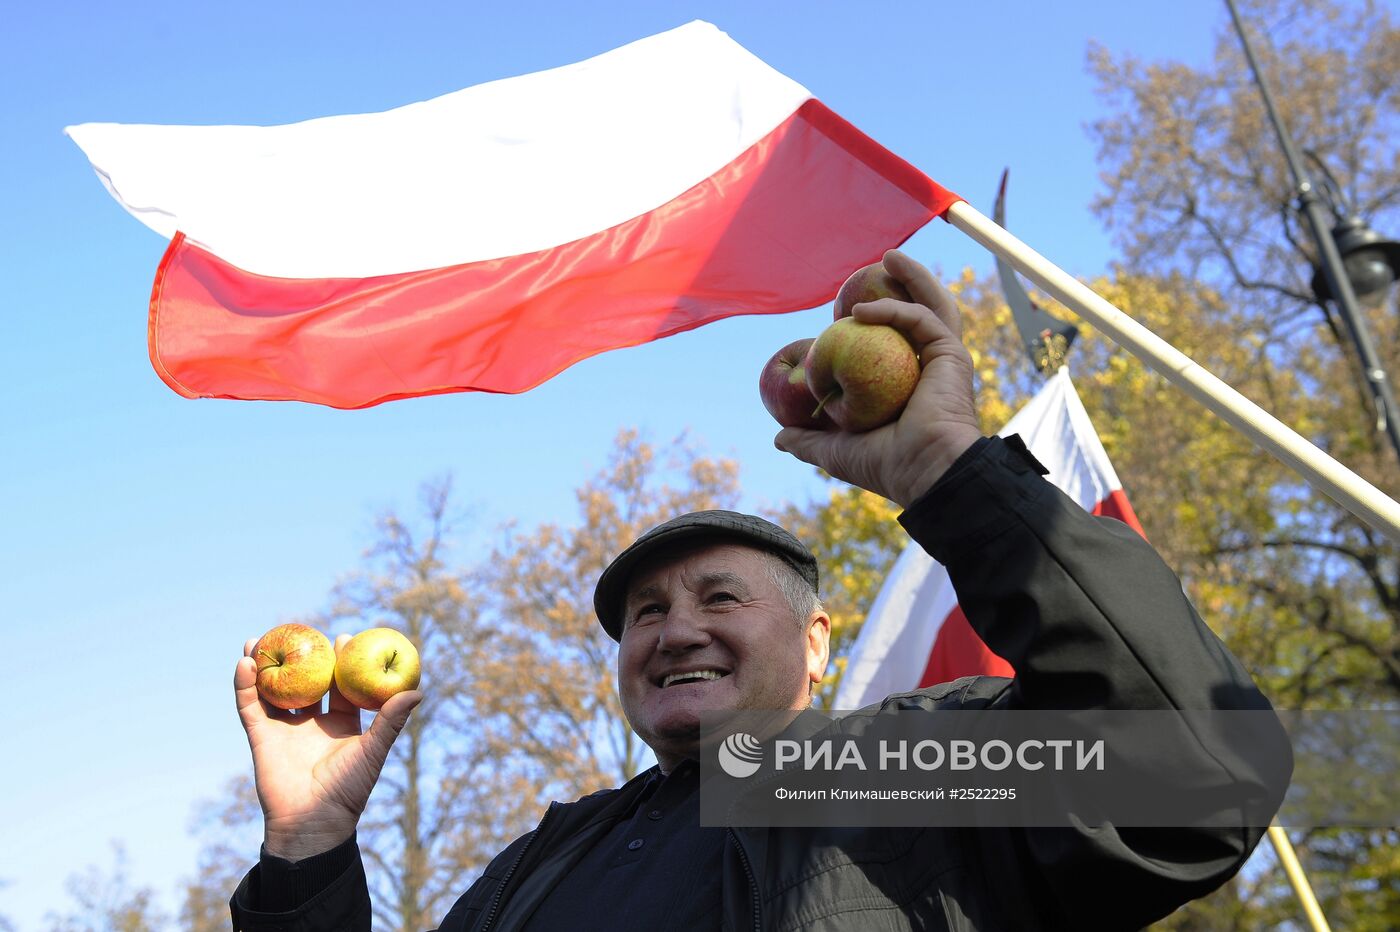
825,449
391,719
798,442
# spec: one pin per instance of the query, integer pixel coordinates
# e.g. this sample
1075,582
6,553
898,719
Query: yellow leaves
966,279
557,659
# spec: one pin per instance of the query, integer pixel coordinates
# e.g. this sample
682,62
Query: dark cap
611,591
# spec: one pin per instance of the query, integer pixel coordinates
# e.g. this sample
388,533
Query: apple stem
822,404
274,660
390,664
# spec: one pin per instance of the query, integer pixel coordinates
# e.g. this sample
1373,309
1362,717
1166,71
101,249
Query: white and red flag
490,238
916,635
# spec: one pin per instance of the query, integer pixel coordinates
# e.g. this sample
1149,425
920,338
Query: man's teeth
697,675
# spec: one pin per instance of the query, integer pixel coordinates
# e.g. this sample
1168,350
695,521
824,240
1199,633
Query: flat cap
611,591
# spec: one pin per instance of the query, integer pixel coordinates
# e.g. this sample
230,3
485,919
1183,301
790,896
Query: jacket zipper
753,882
505,881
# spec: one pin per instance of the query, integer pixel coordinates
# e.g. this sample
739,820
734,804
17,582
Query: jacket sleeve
325,893
329,893
1090,617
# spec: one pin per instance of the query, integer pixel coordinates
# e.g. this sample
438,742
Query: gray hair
797,592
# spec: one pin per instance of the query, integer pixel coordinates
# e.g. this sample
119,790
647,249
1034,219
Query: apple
374,665
295,665
870,283
862,374
783,388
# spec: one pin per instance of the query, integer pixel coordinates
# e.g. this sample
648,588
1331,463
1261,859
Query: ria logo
740,755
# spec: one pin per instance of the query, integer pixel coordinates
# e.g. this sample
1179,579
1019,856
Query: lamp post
1372,262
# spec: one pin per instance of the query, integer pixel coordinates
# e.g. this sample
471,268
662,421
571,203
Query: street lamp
1371,262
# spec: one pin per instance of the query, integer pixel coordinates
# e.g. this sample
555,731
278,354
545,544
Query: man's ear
818,645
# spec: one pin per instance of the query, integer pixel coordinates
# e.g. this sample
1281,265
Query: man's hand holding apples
902,460
314,769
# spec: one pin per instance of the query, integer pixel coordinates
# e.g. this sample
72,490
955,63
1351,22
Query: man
717,611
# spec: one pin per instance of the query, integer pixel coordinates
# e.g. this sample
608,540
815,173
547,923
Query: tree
556,662
442,807
1203,494
1217,261
1199,188
204,907
1195,179
106,902
520,703
228,826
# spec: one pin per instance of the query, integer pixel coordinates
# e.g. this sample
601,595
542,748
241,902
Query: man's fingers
248,646
798,442
338,702
245,675
920,327
939,332
827,449
251,708
245,692
925,289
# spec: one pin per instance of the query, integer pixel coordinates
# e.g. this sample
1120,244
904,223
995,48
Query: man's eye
724,597
647,611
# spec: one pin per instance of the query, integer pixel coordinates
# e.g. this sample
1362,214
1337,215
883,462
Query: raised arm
1089,616
314,771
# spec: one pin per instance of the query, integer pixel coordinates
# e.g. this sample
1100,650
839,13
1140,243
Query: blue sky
147,535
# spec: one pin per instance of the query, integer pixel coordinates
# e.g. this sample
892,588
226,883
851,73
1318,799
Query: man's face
707,628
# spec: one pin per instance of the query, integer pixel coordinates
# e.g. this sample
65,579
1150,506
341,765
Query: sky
147,536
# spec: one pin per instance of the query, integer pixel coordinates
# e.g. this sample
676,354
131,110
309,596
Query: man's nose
684,629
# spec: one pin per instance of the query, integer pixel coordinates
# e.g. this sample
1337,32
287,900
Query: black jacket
1090,618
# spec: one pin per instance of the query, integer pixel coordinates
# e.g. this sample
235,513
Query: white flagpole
1321,471
1297,879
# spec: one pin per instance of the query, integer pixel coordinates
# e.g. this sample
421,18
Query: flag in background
490,238
915,634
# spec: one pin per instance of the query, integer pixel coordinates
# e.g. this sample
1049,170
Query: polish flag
916,635
490,238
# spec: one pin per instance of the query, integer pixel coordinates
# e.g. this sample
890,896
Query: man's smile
687,677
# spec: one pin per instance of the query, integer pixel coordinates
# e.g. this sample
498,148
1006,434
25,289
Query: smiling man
712,611
717,611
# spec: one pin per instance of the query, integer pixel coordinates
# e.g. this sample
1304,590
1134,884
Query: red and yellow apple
783,388
374,665
870,283
295,666
862,374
